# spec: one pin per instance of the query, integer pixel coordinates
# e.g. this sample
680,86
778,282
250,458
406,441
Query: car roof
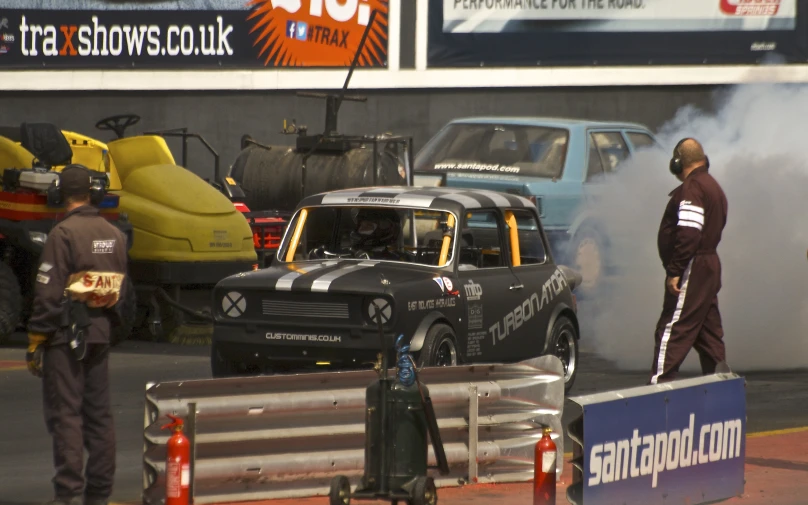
456,200
553,122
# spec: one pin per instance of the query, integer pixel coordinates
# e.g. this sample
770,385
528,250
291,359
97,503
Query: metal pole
355,61
385,384
191,432
146,423
185,147
375,161
474,410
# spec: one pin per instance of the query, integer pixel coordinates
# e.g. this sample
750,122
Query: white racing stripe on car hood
285,282
323,283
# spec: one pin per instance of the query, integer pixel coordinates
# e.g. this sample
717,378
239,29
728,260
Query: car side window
481,241
594,168
612,149
531,246
641,140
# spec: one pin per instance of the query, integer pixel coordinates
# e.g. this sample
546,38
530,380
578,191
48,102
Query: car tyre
563,344
440,347
587,255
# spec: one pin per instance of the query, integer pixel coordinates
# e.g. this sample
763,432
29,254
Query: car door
535,273
488,287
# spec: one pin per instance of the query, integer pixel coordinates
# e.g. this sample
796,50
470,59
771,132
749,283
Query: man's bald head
691,153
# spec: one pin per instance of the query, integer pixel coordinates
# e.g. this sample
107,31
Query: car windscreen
399,234
535,151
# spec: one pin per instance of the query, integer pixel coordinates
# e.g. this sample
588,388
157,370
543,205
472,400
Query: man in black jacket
689,233
77,292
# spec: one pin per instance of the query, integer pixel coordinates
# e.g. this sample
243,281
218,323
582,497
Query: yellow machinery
186,234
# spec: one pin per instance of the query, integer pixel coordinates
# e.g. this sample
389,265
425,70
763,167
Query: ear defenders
98,189
675,164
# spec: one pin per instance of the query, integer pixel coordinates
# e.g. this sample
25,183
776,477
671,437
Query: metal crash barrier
286,436
678,442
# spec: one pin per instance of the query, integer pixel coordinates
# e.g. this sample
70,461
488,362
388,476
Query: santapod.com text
617,460
97,39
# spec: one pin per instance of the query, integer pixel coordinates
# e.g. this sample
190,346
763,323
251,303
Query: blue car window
533,151
612,149
641,140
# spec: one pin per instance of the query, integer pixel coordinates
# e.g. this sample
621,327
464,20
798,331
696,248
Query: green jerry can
399,422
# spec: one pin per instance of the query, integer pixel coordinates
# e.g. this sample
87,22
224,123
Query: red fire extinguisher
178,464
544,471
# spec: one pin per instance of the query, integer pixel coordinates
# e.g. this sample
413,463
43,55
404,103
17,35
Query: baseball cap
75,180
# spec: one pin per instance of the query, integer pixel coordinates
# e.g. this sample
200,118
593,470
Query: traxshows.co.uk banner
533,33
74,34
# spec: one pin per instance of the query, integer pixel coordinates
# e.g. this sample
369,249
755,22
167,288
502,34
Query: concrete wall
222,118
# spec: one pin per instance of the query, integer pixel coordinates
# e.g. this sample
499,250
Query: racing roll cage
449,234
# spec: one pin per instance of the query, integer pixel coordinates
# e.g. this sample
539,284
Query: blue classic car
556,163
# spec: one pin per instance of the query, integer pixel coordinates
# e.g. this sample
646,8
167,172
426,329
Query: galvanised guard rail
285,436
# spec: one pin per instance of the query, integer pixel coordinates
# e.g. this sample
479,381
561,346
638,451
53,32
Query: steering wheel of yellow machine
118,124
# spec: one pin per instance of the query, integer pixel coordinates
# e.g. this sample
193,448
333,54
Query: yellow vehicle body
176,216
186,235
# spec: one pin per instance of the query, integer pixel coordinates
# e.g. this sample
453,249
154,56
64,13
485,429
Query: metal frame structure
286,436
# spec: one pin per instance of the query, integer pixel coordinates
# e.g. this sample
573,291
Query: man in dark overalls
688,236
79,281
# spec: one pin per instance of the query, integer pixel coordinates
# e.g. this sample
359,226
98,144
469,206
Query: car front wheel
439,347
564,345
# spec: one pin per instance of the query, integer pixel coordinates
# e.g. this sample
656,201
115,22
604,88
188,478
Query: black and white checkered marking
234,304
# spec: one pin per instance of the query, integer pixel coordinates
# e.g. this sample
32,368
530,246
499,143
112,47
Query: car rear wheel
440,348
563,344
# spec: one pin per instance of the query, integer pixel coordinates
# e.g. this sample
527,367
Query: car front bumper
313,347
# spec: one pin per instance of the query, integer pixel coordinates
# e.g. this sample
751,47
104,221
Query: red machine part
267,231
30,206
544,471
178,464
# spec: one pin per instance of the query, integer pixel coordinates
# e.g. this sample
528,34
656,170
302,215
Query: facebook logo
302,30
297,30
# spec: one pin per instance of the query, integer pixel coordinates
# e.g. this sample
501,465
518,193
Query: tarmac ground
776,465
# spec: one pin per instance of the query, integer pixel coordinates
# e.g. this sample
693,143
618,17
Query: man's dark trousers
690,320
78,416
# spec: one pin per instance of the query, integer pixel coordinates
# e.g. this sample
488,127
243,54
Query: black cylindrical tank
406,438
271,178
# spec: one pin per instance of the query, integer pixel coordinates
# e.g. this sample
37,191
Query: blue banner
683,445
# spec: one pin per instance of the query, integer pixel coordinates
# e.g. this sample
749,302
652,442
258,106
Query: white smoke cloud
757,142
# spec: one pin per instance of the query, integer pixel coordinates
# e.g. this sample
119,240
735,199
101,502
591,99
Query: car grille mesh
305,309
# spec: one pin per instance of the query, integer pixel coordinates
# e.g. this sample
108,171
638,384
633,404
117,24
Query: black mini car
465,275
